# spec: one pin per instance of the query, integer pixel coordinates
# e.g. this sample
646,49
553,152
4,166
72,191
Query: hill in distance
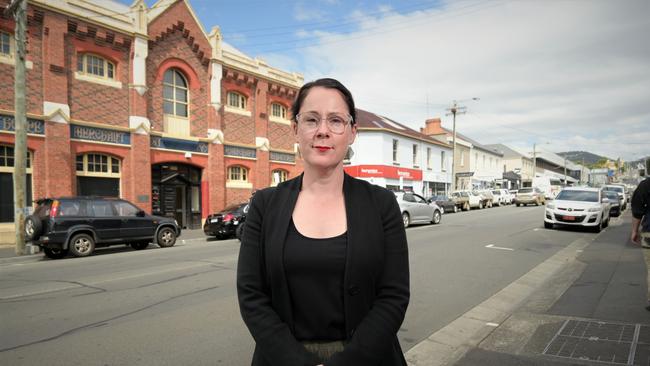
577,156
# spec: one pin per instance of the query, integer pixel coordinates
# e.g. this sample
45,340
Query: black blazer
376,279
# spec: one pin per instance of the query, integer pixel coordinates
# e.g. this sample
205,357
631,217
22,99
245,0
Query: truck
543,183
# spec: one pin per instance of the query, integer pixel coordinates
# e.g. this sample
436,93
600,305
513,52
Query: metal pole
453,159
19,8
565,182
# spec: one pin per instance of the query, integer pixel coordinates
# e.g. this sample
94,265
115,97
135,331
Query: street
178,305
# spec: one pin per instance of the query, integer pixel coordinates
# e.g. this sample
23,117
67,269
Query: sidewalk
591,312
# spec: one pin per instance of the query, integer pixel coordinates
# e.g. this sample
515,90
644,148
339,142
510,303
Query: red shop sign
383,171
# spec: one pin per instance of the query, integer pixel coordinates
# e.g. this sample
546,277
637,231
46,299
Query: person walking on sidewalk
323,271
641,220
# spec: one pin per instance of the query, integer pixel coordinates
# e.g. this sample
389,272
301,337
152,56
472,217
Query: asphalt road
178,305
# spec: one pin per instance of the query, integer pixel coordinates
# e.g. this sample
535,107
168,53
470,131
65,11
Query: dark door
103,218
101,187
133,226
180,209
7,195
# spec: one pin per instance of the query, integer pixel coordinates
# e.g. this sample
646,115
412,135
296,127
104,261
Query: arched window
278,110
236,100
94,65
238,174
175,93
98,175
279,176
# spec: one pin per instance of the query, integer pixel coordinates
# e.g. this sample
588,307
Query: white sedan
578,206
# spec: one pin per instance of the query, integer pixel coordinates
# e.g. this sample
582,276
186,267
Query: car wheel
436,217
548,225
455,209
139,246
606,223
480,205
598,227
466,207
33,227
406,219
55,253
166,237
82,245
518,204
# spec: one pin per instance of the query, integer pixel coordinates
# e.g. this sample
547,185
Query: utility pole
454,110
565,182
19,10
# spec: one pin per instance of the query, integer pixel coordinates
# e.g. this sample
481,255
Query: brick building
143,104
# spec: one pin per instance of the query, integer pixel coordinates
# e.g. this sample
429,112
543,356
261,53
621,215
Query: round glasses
336,122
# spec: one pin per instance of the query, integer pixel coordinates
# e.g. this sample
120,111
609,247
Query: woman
323,274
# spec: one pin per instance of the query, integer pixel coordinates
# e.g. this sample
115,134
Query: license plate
214,220
569,218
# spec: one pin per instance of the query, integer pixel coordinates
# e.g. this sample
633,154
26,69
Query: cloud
303,13
545,71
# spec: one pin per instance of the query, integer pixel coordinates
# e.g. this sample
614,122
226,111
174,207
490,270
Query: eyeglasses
336,123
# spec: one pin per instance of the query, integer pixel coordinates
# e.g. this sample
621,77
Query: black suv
78,224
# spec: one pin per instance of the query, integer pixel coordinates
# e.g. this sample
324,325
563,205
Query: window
442,161
98,165
429,158
278,110
237,174
175,94
101,209
7,157
236,100
415,155
95,66
69,208
279,176
395,146
5,44
126,209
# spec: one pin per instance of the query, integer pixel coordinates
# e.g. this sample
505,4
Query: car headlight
550,205
594,209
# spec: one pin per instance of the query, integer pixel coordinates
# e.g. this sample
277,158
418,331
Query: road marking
491,246
492,324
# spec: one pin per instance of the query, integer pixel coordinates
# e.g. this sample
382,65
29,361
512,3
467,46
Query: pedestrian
641,223
323,272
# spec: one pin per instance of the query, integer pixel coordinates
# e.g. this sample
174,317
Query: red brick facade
176,41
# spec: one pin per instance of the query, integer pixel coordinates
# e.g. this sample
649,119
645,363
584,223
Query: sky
562,74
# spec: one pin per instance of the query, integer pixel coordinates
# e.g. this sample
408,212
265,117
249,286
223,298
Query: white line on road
491,246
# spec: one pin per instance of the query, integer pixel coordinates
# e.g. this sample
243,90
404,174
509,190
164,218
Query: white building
394,156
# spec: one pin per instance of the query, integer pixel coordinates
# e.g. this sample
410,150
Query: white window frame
395,151
6,167
282,174
283,111
110,160
240,182
175,86
240,102
10,58
105,66
11,44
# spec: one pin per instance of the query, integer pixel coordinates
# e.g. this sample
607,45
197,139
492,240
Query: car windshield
496,192
614,189
526,190
611,195
584,196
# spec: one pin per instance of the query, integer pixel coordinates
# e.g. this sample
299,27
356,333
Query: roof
508,153
369,121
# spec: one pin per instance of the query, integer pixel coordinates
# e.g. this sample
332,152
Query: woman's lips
322,148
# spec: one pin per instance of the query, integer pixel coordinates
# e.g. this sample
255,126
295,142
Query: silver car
415,209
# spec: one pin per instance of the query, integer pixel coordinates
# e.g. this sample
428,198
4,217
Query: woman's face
320,147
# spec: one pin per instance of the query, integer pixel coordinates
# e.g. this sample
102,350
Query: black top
314,270
641,199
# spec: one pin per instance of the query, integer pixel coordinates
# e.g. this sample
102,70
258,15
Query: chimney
432,127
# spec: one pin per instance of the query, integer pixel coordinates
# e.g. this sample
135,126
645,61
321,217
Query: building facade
517,167
396,157
141,103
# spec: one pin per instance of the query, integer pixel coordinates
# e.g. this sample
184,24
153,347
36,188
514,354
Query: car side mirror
140,213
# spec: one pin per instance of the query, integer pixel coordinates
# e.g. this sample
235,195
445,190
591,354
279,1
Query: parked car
530,195
615,204
446,204
415,209
513,195
578,206
501,198
467,200
620,190
77,225
227,223
487,199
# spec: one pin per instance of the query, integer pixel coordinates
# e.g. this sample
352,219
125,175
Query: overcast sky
565,74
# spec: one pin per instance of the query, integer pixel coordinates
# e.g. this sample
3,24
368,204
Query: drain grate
603,342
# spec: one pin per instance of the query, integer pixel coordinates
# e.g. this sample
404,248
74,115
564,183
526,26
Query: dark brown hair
324,83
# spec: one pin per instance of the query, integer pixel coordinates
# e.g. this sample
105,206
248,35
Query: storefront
176,193
390,177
